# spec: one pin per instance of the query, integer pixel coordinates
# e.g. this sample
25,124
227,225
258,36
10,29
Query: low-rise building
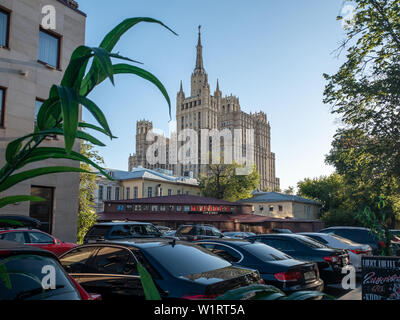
280,205
142,183
173,211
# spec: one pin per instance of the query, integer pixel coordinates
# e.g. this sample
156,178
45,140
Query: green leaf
40,154
128,69
103,58
88,137
70,112
256,292
75,71
304,295
91,126
49,113
149,288
15,199
26,175
12,150
5,276
97,114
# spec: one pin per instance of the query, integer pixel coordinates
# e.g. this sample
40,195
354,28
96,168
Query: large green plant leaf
29,174
93,127
70,114
253,292
40,154
108,43
304,295
15,199
149,288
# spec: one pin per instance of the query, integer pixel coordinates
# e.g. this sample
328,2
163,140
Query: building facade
32,59
141,183
284,206
203,109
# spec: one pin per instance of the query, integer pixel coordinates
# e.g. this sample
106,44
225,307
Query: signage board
380,278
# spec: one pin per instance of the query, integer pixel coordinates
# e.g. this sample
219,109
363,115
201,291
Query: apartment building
32,59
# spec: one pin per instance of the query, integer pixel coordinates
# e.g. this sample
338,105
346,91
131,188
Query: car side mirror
95,296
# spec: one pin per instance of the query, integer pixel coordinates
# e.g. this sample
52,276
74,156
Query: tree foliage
224,183
87,216
365,93
59,114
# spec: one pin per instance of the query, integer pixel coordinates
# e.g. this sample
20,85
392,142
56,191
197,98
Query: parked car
193,232
357,234
121,230
180,270
163,229
276,268
16,221
330,261
22,277
238,235
36,238
355,250
277,230
170,233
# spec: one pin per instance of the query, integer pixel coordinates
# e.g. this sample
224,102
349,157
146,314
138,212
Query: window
169,192
280,208
149,192
128,193
271,208
4,28
40,238
109,193
154,208
43,211
2,105
227,253
101,192
38,105
117,193
111,260
161,192
75,260
13,236
135,192
49,48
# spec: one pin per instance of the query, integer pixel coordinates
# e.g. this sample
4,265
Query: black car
193,232
238,234
330,261
121,230
275,267
180,270
22,276
357,234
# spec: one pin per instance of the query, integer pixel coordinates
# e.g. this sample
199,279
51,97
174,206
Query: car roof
281,235
18,248
114,223
345,227
3,230
140,243
238,242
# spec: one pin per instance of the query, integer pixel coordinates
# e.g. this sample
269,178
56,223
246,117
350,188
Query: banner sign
380,278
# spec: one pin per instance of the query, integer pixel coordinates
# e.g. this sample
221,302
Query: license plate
309,275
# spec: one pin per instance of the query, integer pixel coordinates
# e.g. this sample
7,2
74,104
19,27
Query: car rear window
265,252
22,277
187,230
311,243
192,259
99,231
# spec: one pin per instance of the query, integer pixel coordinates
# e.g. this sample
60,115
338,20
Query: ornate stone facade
202,110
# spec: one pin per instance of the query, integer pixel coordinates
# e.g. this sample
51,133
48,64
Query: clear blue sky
271,54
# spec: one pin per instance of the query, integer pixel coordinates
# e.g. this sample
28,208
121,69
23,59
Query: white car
356,250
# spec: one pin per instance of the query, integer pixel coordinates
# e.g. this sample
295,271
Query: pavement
352,295
340,294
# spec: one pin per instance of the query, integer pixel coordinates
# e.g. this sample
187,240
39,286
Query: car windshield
192,259
341,239
99,231
28,277
186,230
265,252
311,243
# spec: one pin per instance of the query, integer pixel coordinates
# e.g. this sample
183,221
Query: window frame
8,13
3,108
59,38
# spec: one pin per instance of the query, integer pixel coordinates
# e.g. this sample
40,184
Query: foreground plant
59,114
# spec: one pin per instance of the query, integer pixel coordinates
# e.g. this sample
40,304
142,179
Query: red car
36,238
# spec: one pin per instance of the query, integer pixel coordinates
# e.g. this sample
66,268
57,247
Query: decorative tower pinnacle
199,58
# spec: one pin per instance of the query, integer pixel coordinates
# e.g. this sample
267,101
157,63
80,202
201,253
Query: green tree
59,114
87,216
365,93
224,183
289,190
